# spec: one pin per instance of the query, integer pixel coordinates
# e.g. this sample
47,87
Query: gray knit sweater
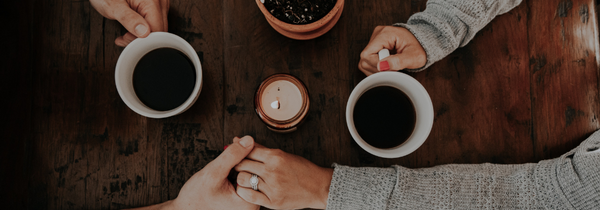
571,181
448,24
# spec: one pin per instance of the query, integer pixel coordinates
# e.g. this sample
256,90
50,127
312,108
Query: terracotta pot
305,31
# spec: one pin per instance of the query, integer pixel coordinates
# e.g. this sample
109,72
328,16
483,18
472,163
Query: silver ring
254,182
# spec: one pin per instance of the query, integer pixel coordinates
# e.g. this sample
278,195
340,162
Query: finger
257,145
376,32
405,60
165,4
252,196
231,157
256,155
260,153
119,41
153,15
366,66
237,139
367,73
377,43
129,37
371,60
132,21
243,179
369,57
251,166
125,39
371,51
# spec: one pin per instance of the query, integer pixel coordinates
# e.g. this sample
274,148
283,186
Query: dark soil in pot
299,11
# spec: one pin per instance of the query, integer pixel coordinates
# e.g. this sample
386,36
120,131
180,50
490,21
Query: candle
282,102
285,100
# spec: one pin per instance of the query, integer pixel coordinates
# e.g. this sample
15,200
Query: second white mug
418,96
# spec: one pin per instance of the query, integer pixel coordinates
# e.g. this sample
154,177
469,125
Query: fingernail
384,66
141,29
245,142
225,147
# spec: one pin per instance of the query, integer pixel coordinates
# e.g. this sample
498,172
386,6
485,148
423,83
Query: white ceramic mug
129,59
420,99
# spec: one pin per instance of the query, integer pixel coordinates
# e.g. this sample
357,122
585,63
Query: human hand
409,52
139,17
209,188
286,181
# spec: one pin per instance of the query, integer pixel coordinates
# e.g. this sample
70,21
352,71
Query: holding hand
409,52
139,17
285,181
209,188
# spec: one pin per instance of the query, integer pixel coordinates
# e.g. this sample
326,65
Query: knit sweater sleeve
448,24
571,181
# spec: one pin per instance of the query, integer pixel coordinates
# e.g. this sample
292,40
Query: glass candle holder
282,102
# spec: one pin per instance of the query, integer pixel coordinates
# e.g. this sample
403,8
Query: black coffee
164,79
384,117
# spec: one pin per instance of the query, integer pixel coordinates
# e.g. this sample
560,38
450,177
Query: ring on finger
254,182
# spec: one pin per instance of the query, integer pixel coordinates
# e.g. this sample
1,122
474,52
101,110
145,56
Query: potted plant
301,19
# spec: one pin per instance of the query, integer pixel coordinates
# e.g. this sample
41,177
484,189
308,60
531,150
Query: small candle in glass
282,102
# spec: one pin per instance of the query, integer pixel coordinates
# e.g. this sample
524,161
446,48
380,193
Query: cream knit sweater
571,181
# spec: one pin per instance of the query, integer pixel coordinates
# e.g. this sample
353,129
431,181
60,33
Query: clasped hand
286,181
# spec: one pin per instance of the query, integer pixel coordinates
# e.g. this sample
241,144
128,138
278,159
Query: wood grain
526,88
317,63
564,74
481,98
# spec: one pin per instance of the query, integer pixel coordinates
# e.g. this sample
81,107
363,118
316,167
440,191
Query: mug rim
126,57
421,102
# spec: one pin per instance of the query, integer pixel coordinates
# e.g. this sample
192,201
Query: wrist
322,193
168,205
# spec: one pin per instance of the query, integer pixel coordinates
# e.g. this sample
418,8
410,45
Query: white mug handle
384,53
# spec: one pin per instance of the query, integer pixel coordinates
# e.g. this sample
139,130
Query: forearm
360,188
448,24
467,187
161,206
455,186
570,181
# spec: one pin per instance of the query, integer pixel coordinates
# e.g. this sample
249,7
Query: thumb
401,61
233,155
256,145
132,21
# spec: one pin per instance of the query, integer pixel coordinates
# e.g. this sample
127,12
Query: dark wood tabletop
525,89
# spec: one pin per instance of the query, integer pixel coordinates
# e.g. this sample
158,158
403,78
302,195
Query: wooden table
525,89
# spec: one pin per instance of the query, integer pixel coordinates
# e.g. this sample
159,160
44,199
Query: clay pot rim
304,27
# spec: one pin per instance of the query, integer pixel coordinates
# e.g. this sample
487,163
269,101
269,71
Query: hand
286,181
209,188
139,17
409,52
